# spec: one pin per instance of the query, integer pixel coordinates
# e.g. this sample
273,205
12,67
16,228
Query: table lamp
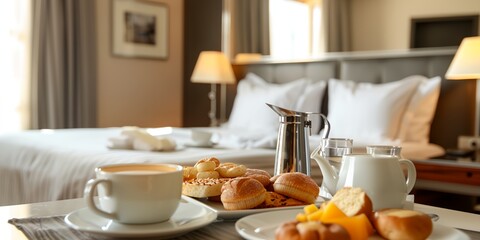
466,65
213,67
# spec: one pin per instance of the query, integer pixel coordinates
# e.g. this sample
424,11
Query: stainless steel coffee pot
293,151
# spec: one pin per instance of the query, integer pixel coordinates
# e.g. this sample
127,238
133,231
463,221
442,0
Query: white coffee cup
136,193
201,137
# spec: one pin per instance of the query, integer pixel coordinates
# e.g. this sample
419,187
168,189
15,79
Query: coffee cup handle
89,193
412,174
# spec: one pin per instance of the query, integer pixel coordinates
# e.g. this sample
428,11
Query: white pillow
418,117
250,113
368,112
311,101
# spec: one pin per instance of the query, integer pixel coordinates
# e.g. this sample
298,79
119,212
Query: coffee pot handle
412,173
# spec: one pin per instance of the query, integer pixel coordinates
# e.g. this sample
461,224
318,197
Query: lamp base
477,109
212,95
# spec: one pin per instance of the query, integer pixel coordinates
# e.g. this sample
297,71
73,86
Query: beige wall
140,92
385,24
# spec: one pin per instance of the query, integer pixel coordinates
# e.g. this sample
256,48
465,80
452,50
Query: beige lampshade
466,63
212,67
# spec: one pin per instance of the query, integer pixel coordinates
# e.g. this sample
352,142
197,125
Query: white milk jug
380,176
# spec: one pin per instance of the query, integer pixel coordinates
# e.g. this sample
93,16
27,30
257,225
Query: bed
46,165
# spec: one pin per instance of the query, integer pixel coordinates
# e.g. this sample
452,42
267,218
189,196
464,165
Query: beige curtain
250,27
63,88
336,25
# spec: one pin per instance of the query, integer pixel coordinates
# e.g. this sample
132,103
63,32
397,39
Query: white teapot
380,176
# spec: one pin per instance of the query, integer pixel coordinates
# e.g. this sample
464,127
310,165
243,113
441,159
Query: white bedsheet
50,165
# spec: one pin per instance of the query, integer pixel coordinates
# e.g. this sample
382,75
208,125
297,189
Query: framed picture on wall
139,29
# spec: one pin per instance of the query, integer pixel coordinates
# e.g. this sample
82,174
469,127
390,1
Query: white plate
189,216
262,226
236,214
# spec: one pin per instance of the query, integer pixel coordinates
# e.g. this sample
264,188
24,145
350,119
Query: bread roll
203,187
189,172
205,166
274,178
261,175
313,230
269,187
209,159
231,170
242,193
396,224
353,201
297,185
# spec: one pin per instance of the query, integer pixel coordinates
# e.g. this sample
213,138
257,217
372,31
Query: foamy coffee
136,193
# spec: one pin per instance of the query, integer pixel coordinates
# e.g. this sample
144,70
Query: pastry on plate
203,187
399,224
261,175
242,193
353,201
297,185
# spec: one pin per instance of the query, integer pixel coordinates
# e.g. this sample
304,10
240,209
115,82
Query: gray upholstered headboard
455,110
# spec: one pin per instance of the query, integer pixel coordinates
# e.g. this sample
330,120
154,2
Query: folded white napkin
138,139
120,142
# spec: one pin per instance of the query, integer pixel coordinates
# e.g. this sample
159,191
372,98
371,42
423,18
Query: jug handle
412,173
316,151
326,132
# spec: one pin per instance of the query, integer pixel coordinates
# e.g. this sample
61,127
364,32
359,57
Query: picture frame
139,29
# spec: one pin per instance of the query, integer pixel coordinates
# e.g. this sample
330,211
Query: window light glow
14,37
295,28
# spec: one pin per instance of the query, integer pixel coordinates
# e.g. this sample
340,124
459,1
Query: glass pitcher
333,149
384,150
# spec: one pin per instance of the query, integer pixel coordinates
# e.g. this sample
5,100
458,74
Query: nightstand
449,182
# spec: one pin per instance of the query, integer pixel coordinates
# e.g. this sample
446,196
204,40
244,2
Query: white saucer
262,226
199,145
189,216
